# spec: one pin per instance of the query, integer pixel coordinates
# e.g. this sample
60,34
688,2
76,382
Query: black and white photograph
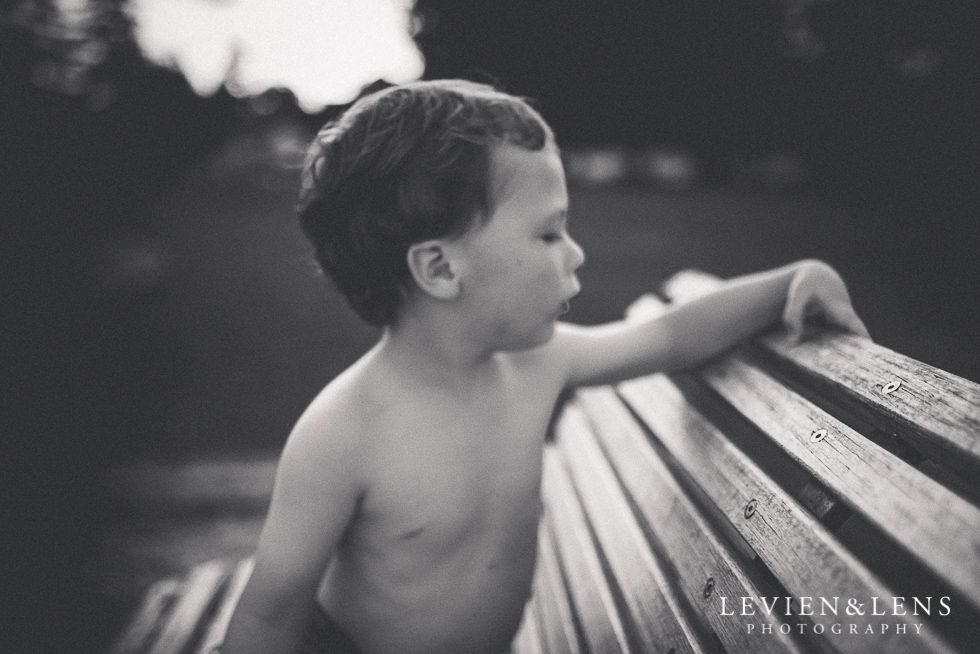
504,327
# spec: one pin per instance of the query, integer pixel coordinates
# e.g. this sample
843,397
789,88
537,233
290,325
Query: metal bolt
818,435
709,587
750,509
891,387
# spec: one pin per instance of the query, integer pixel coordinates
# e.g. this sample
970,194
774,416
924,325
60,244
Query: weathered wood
593,601
811,494
936,410
940,411
806,558
889,492
705,569
146,623
654,610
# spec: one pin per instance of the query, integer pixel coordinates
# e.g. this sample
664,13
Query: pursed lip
566,304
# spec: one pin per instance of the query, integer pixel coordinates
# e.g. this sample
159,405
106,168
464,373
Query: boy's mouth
565,308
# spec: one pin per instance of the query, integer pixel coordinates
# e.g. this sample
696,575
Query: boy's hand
692,332
817,290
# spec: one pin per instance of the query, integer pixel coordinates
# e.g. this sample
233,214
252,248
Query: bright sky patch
324,51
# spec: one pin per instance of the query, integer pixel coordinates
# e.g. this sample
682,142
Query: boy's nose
576,254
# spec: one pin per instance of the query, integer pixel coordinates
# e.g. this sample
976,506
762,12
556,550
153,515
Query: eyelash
551,237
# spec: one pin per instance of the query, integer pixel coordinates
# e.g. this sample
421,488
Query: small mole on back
412,534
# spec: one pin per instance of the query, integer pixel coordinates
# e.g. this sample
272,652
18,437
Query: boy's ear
433,270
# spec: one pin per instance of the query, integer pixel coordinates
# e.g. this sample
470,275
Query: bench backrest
835,473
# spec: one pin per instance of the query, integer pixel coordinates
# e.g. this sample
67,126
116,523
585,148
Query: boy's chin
531,341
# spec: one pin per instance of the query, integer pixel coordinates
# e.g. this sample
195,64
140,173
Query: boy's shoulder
341,414
361,406
337,432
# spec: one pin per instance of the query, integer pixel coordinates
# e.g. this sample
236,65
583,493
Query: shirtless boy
405,510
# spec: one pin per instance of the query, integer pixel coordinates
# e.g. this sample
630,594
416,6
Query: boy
406,504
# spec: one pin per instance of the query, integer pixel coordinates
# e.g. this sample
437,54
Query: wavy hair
400,166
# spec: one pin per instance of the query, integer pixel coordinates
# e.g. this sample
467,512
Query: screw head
709,587
818,435
750,508
891,387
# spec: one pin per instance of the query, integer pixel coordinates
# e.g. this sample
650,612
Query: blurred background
163,321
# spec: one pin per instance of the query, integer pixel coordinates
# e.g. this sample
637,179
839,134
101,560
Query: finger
843,316
861,329
644,307
794,314
854,325
793,317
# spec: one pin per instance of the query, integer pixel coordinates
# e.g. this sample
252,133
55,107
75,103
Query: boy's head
401,166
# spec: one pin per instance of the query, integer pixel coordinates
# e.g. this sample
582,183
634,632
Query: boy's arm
693,332
315,498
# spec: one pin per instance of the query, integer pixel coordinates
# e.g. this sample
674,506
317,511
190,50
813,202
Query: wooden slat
555,620
654,609
705,569
528,639
582,569
824,506
146,622
940,409
797,548
185,620
216,631
934,524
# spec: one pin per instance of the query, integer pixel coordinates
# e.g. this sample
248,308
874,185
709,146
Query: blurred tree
72,40
888,98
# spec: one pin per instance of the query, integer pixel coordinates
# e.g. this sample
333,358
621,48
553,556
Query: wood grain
705,570
797,548
937,526
937,409
654,609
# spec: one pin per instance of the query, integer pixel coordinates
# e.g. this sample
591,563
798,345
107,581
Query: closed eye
552,229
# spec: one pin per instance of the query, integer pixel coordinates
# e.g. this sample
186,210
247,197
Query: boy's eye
551,237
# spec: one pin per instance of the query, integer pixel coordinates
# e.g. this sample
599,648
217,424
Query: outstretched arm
693,332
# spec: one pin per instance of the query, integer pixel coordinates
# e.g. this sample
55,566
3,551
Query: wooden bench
832,473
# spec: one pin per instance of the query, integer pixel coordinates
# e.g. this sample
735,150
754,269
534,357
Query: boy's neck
438,348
